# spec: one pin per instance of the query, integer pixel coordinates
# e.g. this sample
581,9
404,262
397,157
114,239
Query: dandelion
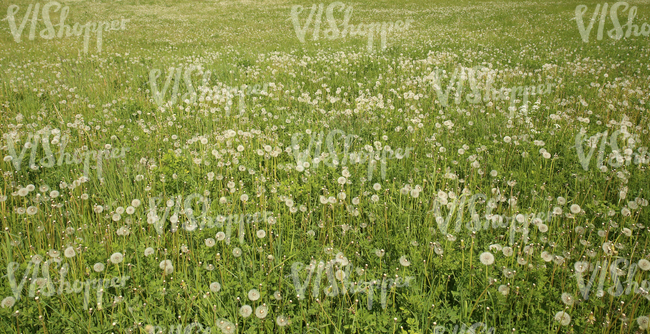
607,248
135,203
253,294
228,328
627,232
542,227
246,311
380,252
167,266
215,287
148,251
236,252
220,236
8,302
643,322
98,267
243,198
377,186
69,252
209,242
282,321
341,180
575,208
563,317
644,264
54,194
504,289
261,312
130,210
496,247
32,210
567,299
581,266
507,251
546,256
403,261
486,258
277,295
117,258
261,234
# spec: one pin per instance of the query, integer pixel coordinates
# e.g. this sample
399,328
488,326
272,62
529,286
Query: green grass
98,99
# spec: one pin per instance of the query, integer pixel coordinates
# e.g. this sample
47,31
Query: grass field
225,167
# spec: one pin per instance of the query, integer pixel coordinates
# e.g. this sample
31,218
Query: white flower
644,264
567,299
643,322
32,210
486,258
377,186
403,261
215,287
209,242
148,251
243,198
582,266
246,311
167,266
117,258
542,227
261,234
379,252
575,208
8,302
261,311
504,289
282,321
546,256
236,252
507,251
69,252
220,236
563,317
253,295
98,267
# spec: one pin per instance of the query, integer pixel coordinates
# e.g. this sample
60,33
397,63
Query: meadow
268,166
